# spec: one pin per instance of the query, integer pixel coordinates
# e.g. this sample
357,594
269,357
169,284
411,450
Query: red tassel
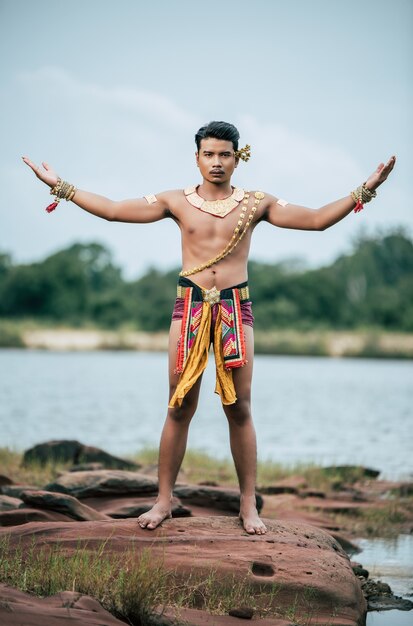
358,206
51,207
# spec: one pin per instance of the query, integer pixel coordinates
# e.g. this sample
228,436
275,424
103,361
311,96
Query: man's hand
380,175
46,174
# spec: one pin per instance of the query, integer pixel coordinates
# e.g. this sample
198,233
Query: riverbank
79,505
361,343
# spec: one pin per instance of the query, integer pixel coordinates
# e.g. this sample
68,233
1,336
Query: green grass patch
375,522
128,584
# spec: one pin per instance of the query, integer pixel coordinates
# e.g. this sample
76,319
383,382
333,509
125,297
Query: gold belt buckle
212,296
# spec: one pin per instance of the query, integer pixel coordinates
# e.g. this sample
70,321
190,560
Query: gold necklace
219,208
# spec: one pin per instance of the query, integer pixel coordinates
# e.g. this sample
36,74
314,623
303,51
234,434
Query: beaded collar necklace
218,208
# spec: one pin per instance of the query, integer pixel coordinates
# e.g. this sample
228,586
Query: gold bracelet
62,191
361,195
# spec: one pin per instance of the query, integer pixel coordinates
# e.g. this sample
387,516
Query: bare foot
152,518
249,516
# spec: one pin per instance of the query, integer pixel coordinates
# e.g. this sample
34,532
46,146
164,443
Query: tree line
370,287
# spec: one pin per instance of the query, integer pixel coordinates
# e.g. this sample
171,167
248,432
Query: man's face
216,160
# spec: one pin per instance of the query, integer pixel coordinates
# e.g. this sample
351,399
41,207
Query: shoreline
368,343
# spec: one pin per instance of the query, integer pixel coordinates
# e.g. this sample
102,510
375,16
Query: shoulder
265,202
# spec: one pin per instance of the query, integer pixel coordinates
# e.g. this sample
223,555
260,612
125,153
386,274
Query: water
306,409
391,561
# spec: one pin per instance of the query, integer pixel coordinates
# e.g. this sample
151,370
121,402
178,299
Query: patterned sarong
228,338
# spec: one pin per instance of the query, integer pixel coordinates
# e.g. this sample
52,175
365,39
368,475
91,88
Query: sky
111,95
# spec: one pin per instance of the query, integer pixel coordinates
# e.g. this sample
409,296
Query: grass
375,522
33,474
128,584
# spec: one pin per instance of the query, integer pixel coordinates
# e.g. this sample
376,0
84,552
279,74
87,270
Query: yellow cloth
198,358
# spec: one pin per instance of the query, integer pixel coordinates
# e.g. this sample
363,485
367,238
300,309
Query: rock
65,450
244,612
85,467
277,489
386,603
16,517
359,570
290,484
193,547
5,480
404,490
67,607
103,482
215,497
380,597
15,490
167,616
131,509
131,506
311,493
350,473
62,503
7,503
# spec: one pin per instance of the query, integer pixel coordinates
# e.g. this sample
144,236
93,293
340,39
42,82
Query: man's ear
197,158
236,161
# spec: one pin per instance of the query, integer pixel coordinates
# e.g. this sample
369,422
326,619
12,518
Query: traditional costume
211,315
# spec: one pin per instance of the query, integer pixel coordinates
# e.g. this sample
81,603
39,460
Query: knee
185,412
239,413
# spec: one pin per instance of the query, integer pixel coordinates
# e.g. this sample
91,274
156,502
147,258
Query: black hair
218,130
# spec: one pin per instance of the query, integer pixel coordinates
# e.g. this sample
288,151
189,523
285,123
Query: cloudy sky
111,95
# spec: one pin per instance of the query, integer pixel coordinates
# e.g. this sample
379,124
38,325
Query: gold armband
151,198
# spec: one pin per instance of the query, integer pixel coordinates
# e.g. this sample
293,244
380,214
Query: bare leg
173,440
243,440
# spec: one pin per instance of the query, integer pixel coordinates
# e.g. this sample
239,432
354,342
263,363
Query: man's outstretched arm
286,215
136,210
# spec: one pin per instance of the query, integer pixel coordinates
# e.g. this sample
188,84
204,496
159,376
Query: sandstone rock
290,484
244,612
291,556
311,493
404,490
19,516
381,598
5,480
196,617
215,497
65,450
122,506
15,490
85,467
103,482
387,603
74,609
7,503
142,505
347,473
62,503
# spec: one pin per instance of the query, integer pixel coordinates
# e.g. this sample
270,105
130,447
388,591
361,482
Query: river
306,409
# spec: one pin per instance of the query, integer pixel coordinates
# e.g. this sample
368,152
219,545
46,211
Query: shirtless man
208,229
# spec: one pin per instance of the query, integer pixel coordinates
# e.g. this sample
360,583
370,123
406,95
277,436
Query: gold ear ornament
244,153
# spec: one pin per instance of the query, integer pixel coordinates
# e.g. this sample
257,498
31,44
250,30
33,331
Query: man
216,222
